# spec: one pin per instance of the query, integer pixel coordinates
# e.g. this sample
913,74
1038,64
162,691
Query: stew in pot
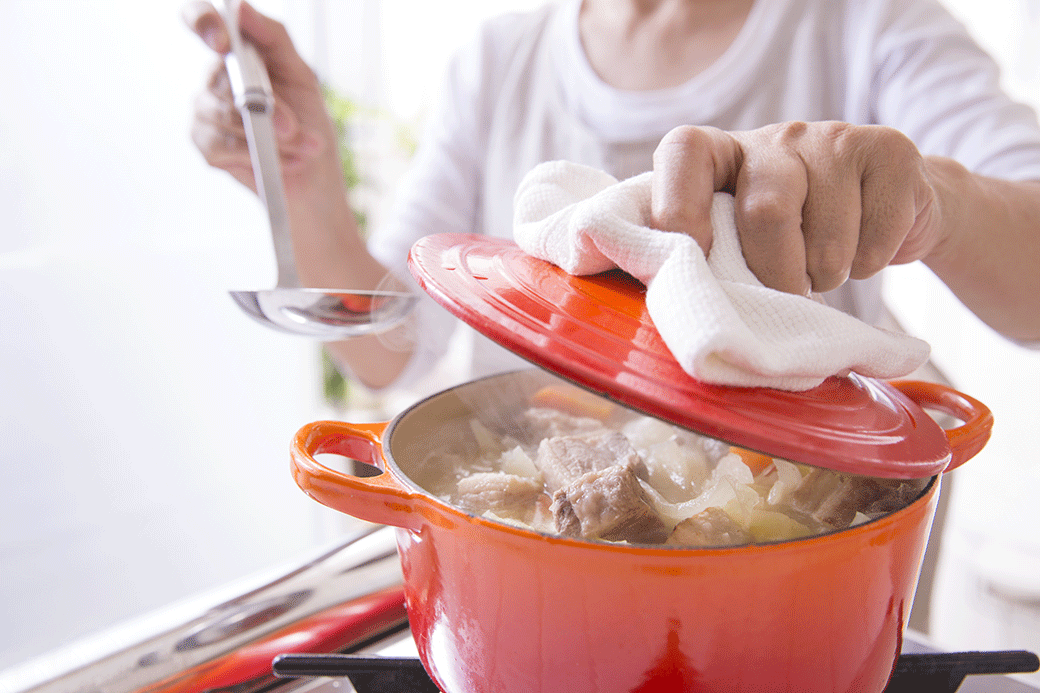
578,465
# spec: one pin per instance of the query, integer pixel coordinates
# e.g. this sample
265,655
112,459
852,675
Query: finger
219,86
219,133
831,216
224,151
888,215
219,146
770,193
896,202
213,107
274,42
204,20
217,128
690,165
215,104
925,231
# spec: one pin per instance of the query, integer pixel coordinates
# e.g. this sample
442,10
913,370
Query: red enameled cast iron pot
495,607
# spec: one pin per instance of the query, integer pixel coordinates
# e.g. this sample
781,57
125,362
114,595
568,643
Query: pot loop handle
965,440
381,499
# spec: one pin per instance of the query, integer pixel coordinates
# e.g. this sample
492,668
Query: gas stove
348,602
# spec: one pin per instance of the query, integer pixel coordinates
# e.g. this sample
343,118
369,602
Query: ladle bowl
326,314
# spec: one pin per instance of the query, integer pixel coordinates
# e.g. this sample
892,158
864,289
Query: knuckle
891,138
770,209
841,137
215,145
685,141
676,212
207,148
281,35
212,109
218,82
789,132
787,277
834,142
208,144
894,148
868,262
675,218
828,267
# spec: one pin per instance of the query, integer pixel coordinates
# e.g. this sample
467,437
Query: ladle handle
254,98
965,440
381,499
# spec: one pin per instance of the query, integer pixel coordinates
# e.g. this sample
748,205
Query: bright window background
145,422
987,593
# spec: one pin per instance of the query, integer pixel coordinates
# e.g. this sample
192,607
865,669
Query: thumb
205,21
691,164
273,41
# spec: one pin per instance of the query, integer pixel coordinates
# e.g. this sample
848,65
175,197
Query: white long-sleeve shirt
523,92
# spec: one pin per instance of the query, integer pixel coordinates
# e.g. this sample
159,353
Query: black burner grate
945,671
914,673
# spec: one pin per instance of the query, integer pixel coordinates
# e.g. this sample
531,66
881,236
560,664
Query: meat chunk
608,504
710,527
563,459
833,499
498,492
895,494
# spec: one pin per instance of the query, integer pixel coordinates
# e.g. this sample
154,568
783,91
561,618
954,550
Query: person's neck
655,44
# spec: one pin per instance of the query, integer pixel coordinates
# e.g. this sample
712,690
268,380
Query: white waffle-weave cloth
721,324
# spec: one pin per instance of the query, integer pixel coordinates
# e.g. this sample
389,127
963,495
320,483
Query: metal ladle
326,314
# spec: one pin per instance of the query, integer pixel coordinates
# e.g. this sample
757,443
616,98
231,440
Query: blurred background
145,421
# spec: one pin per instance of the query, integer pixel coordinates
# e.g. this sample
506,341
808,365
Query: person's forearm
331,254
375,360
990,256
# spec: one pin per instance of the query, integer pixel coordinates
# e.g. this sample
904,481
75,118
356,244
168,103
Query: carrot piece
757,461
574,401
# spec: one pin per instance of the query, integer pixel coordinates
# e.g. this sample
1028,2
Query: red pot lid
595,331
